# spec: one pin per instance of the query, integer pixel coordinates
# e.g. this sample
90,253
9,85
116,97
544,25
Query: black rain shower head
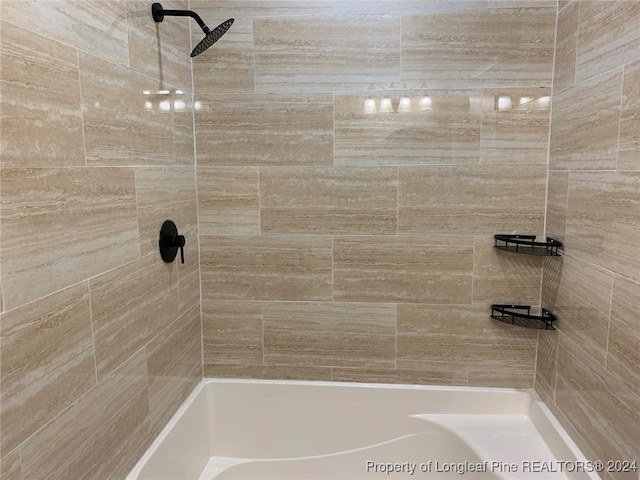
211,36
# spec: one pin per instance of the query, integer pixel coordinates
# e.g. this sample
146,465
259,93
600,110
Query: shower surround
335,244
100,340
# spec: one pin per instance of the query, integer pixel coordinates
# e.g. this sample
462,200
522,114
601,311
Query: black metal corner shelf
527,244
513,315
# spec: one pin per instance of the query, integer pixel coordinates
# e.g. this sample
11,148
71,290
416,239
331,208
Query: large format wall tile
76,219
411,269
10,468
130,305
462,338
167,193
609,36
564,73
40,115
408,6
546,358
160,50
329,200
266,268
557,203
174,366
603,222
330,334
99,28
354,50
623,355
501,379
183,127
584,130
580,295
448,133
246,129
483,48
518,134
502,277
229,66
222,9
418,377
118,128
601,409
231,332
228,200
47,361
270,372
484,199
115,430
629,141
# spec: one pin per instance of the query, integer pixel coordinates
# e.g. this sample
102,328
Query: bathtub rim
543,419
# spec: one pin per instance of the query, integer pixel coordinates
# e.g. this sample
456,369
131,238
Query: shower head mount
211,36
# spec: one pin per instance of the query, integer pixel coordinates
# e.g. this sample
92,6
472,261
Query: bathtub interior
231,429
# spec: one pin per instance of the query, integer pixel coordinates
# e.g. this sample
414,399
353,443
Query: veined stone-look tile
270,372
629,142
412,377
623,354
515,133
603,411
10,468
47,361
471,199
329,200
330,334
440,127
40,115
566,44
229,200
274,267
609,36
229,67
223,9
406,6
189,280
160,50
167,193
408,268
562,4
99,28
100,436
232,332
579,294
73,221
174,364
324,53
130,305
546,362
247,129
504,277
501,380
483,48
127,119
557,204
462,338
183,127
603,222
520,3
584,127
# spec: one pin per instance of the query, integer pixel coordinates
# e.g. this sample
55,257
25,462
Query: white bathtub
252,429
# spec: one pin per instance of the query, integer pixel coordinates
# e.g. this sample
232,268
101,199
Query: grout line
84,137
575,63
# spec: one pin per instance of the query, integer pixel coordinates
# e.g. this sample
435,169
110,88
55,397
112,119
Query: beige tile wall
100,341
590,369
343,244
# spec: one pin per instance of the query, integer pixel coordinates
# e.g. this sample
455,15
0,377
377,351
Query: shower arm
159,13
